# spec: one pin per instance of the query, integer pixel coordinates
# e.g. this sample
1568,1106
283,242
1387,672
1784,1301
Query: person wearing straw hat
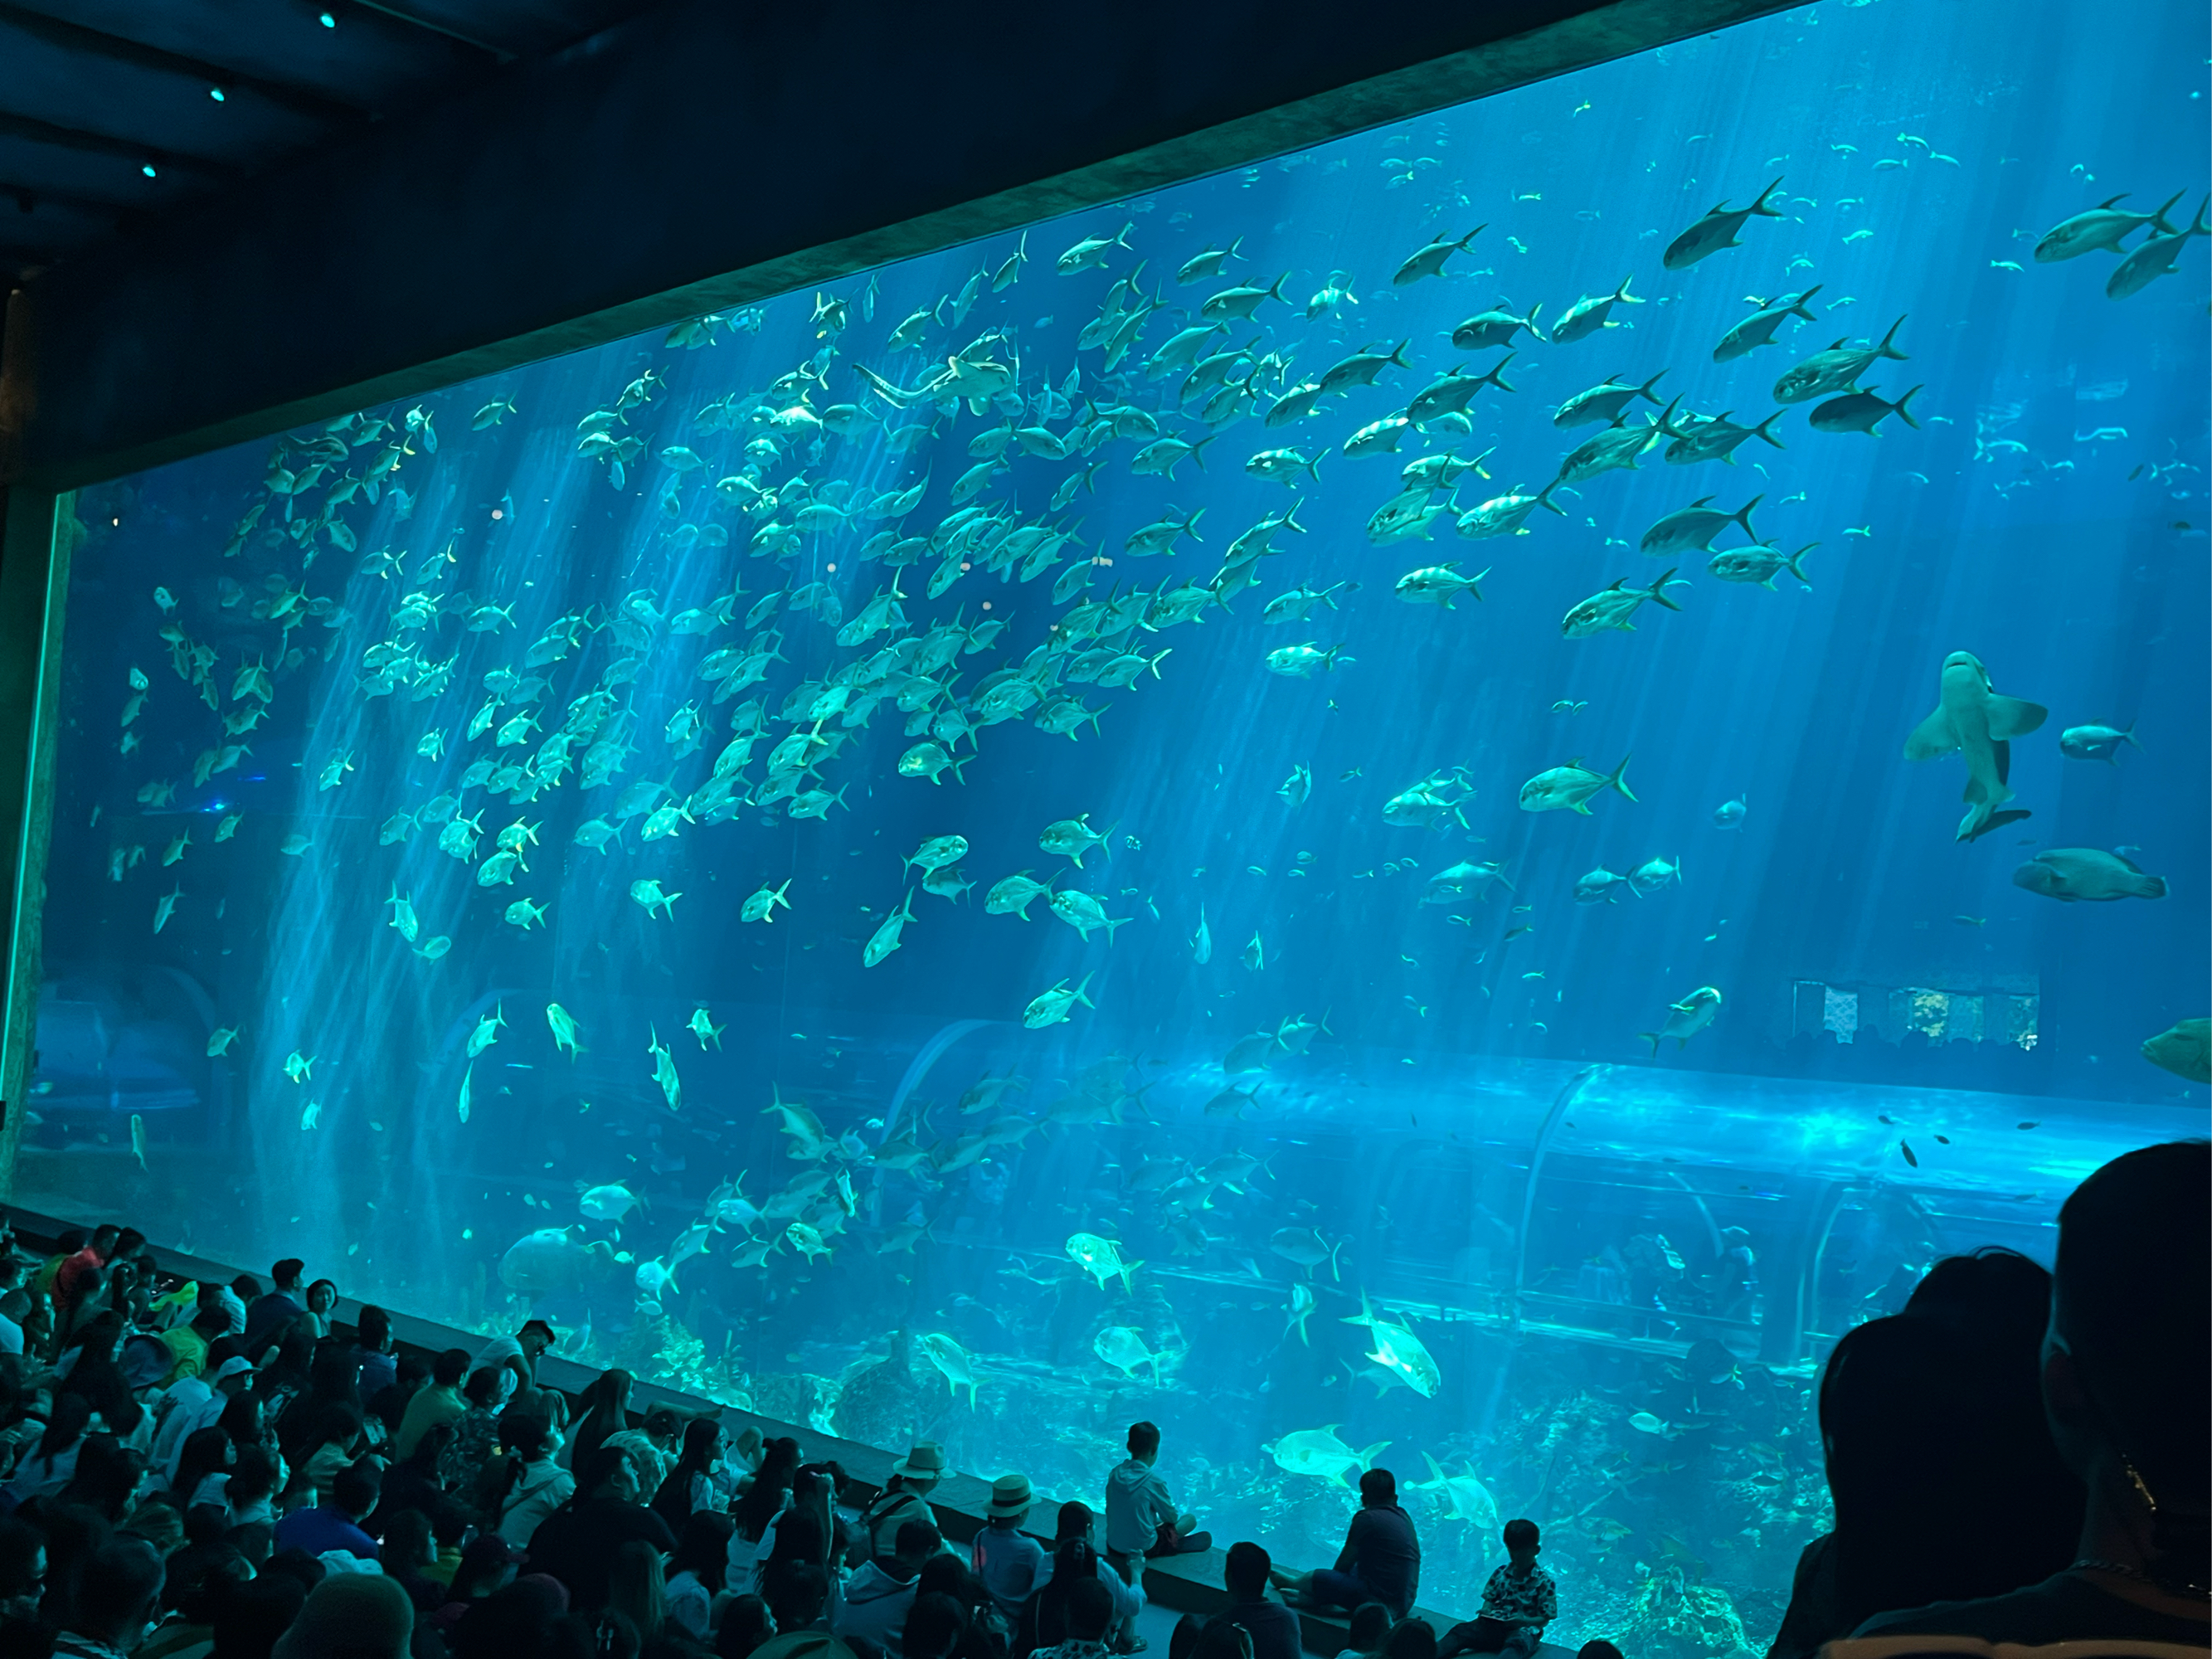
905,1497
1007,1559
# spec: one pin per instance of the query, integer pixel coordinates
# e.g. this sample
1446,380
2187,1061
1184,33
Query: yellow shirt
190,1353
431,1405
448,1563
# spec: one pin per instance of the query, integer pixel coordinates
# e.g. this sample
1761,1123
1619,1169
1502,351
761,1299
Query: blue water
1910,1054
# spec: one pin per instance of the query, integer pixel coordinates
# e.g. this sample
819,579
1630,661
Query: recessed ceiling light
215,92
148,169
328,22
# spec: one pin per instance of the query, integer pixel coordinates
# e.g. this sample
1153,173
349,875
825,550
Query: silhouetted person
576,1544
1090,1611
1381,1560
270,1315
119,1595
1370,1628
1043,1621
1946,1483
933,1628
2127,1387
1272,1627
350,1616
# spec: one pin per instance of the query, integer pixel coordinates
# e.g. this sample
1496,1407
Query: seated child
1517,1603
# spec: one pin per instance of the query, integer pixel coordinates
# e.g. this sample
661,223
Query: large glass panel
958,855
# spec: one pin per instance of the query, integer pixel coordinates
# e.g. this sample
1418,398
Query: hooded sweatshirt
1137,1507
876,1605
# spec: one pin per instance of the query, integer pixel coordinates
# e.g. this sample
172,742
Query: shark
1971,719
972,374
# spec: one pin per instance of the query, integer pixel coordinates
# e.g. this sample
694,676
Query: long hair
107,1474
242,1420
1074,1556
702,1439
606,1411
702,1549
334,1375
1073,1559
800,1540
771,1488
634,1587
206,1451
303,1433
96,1374
65,1425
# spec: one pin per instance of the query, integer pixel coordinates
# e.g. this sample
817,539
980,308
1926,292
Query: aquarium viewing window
1936,1015
1284,808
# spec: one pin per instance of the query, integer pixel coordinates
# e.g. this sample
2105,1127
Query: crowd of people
202,1470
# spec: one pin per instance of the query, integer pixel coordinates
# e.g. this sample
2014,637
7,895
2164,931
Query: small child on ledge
1517,1603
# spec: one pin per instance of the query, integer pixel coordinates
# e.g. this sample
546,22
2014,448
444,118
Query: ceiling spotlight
215,92
328,22
148,169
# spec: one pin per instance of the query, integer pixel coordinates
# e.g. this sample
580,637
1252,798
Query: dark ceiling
115,109
418,192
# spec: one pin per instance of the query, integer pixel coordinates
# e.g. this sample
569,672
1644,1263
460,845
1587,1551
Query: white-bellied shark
1972,719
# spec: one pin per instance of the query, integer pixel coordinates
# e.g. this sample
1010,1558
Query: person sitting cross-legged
1381,1560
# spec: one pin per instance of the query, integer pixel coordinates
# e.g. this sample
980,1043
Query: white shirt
215,1490
11,1335
493,1357
545,1486
192,1404
746,1555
